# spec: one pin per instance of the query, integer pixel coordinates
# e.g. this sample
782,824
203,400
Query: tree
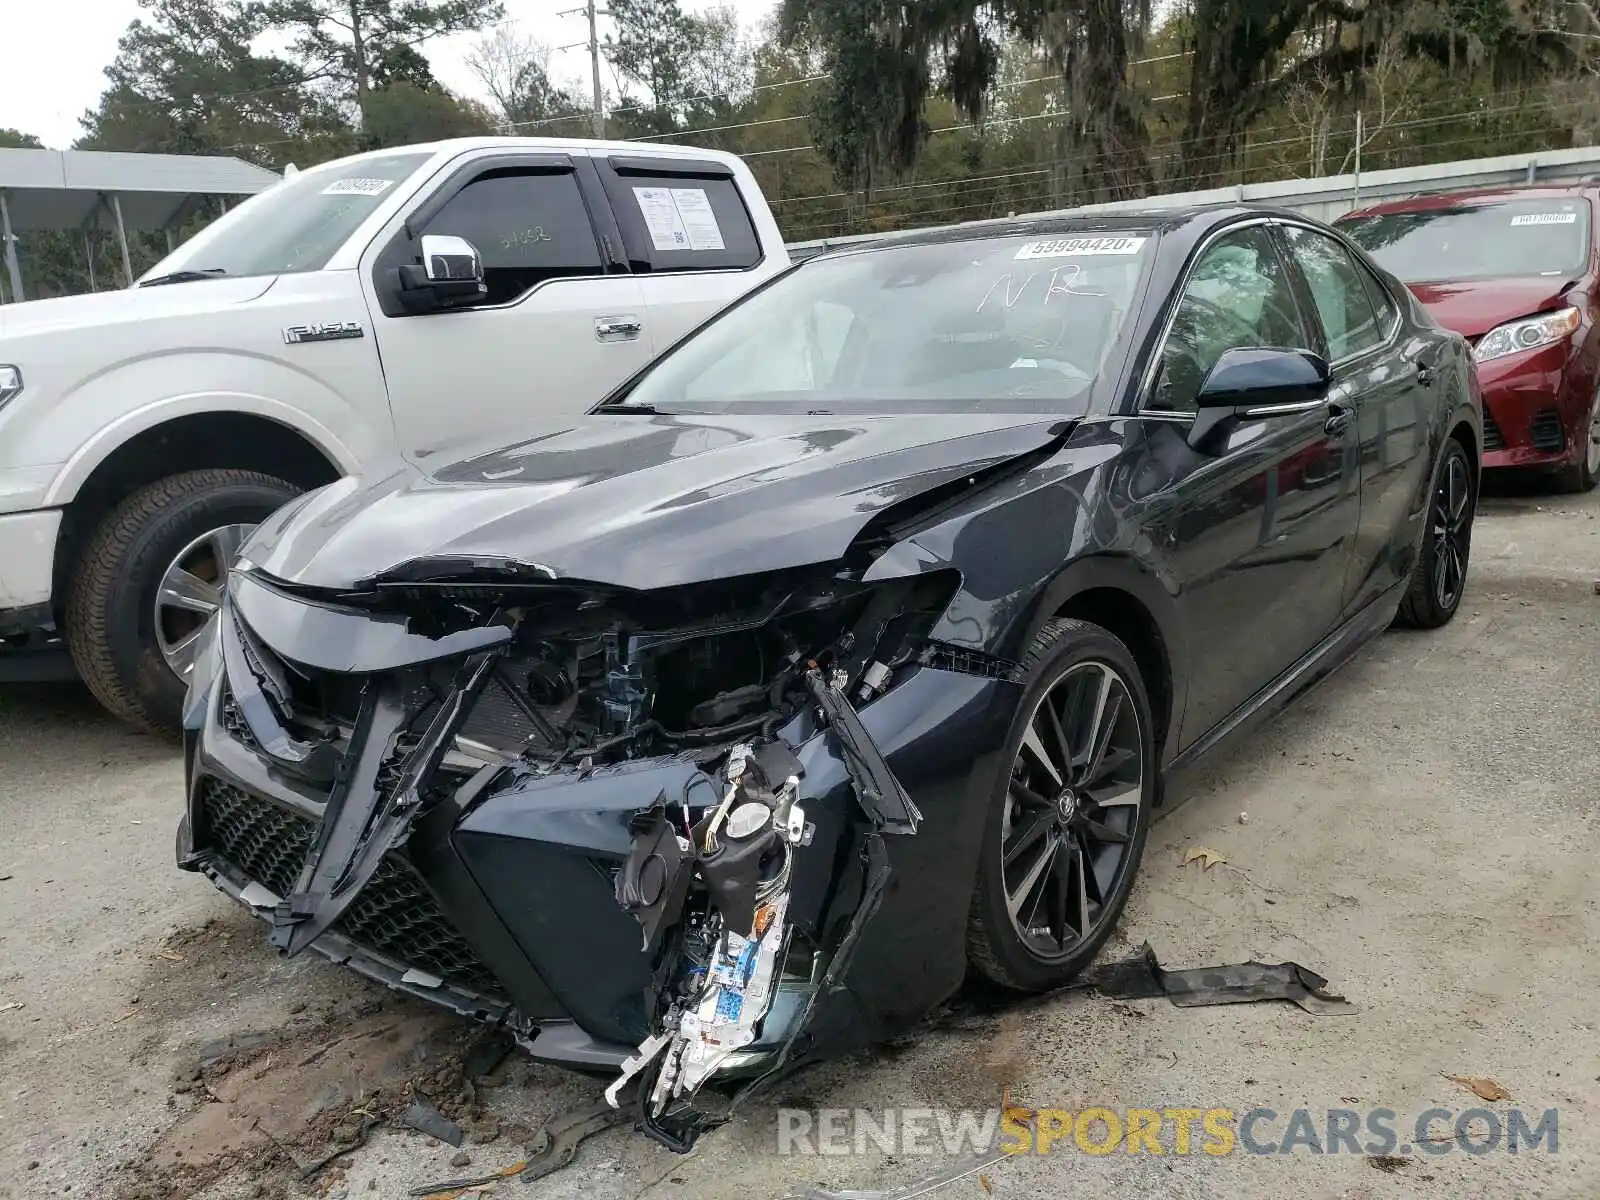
653,48
357,46
515,72
186,80
401,113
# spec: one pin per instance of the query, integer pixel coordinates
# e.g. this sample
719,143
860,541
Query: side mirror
1252,382
450,275
1263,378
449,259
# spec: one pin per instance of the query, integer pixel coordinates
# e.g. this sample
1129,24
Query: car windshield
1544,236
1004,323
295,225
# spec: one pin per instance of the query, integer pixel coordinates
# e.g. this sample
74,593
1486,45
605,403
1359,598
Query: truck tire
126,646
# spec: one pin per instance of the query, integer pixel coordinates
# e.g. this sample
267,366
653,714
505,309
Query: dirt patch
284,1101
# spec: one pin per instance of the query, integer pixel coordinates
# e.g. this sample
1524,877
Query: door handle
617,329
1340,418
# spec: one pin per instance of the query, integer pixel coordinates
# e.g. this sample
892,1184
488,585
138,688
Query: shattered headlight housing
1527,334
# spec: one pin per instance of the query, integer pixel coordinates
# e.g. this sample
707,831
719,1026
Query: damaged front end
647,832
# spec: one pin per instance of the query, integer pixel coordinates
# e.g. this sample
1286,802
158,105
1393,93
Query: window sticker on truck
358,187
679,218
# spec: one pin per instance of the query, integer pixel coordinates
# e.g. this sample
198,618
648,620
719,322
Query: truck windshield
1478,240
293,226
993,324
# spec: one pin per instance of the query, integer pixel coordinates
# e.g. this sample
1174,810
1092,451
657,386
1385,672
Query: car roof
588,146
1194,219
1444,200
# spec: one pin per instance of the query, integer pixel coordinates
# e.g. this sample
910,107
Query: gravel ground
1422,830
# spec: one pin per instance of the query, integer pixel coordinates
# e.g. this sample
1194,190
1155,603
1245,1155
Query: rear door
1384,379
563,322
1256,527
689,237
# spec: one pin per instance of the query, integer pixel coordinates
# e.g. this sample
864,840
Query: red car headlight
1527,334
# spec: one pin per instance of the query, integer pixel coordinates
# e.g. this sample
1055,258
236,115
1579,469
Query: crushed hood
642,501
1473,308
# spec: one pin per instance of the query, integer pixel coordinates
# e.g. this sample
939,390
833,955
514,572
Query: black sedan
842,650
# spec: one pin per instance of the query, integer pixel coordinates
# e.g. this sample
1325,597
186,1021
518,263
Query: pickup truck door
693,238
562,324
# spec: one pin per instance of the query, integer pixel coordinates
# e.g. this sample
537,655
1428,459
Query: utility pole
593,13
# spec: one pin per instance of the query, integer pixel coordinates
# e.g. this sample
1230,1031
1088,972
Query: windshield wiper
623,406
183,276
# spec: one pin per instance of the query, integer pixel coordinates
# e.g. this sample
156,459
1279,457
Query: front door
1390,381
1256,528
555,333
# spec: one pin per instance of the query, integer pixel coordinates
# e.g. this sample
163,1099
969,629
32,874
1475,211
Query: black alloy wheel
1440,575
1069,826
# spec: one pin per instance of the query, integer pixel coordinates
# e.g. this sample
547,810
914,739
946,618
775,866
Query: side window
1338,291
527,226
1382,302
674,220
1237,296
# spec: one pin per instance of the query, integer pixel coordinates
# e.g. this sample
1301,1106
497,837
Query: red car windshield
1488,240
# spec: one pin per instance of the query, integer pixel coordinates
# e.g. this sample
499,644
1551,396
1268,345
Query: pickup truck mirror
451,274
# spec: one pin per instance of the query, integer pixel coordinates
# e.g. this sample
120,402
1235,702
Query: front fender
102,405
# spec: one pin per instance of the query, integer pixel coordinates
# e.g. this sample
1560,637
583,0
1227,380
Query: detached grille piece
1493,439
1547,432
394,915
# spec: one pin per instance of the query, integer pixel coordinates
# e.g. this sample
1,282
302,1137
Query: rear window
1492,240
674,217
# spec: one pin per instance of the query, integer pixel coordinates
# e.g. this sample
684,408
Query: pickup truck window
527,226
678,218
294,226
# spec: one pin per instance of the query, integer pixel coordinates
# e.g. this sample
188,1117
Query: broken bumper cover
497,896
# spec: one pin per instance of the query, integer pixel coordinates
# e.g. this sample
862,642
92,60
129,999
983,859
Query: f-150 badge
331,331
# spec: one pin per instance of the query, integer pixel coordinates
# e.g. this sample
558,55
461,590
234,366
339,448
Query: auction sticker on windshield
358,187
1556,218
1081,247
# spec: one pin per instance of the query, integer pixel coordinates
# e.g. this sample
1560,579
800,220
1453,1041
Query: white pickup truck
392,302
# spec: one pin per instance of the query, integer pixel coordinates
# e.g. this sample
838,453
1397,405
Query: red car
1515,271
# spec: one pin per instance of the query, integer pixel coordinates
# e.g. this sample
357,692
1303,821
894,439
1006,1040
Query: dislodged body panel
663,819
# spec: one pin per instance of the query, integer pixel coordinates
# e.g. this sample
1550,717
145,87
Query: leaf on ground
1207,857
986,1184
1484,1089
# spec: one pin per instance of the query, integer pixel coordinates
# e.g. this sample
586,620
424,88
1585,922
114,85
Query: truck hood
1472,308
644,501
98,309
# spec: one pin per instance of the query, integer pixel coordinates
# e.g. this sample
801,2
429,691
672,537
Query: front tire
1069,812
1582,473
1439,578
148,579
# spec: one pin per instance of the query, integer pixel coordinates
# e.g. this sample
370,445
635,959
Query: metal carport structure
73,190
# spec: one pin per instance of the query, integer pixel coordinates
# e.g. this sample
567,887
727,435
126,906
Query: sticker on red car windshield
1077,247
1563,218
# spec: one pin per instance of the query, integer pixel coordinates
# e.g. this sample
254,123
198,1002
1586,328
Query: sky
53,55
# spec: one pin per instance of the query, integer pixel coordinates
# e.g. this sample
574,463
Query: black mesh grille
394,915
1547,432
1493,439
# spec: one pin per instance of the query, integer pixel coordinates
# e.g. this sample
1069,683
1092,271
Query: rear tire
1084,707
120,643
1439,578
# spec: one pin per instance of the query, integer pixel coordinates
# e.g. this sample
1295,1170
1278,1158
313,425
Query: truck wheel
149,578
